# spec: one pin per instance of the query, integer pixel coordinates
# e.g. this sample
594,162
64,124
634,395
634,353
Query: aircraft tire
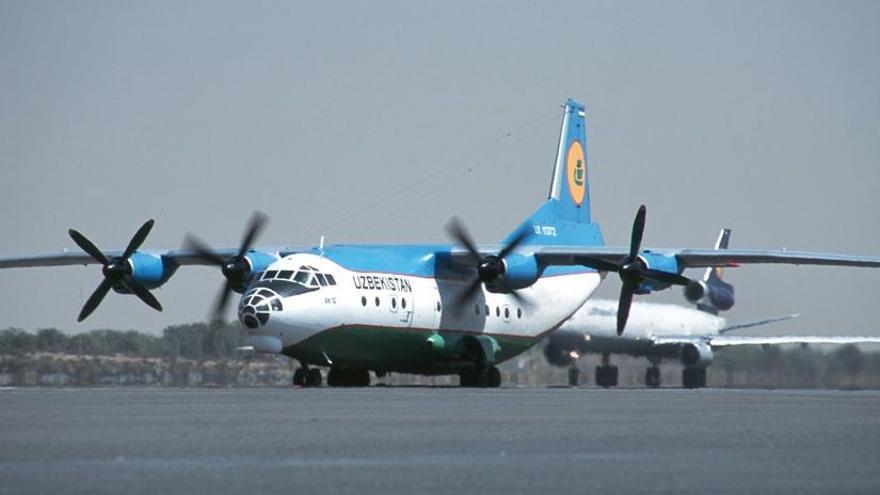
693,378
606,376
652,377
299,377
494,377
313,378
573,376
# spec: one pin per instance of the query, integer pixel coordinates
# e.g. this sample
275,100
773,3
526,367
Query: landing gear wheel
333,377
693,377
652,377
573,376
299,377
494,377
606,376
313,378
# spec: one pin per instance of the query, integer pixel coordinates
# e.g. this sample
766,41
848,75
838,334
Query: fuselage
390,308
596,321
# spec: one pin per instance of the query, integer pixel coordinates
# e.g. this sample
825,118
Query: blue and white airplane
427,309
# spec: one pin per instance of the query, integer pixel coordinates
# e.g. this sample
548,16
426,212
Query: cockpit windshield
305,276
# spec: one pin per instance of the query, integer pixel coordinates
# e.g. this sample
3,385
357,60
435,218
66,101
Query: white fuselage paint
552,300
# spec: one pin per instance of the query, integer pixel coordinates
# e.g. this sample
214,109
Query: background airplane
429,308
665,331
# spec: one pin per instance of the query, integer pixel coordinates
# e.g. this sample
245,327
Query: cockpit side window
270,274
313,281
330,279
321,279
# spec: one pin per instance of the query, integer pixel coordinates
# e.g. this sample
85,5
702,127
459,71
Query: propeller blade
623,305
457,231
598,264
258,221
637,231
95,299
204,252
468,293
87,246
220,303
666,277
139,237
522,235
144,295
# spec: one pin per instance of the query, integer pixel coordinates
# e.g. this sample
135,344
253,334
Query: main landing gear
606,374
652,374
307,377
348,377
480,377
693,377
574,374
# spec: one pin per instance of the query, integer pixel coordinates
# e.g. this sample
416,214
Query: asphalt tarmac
438,440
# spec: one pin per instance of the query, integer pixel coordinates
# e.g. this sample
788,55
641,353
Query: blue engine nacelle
150,270
716,294
520,271
656,261
259,261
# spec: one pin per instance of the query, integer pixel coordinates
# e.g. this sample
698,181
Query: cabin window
393,303
506,313
487,310
438,306
497,311
476,309
363,300
377,302
519,313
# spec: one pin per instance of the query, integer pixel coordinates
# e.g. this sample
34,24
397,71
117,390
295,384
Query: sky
376,122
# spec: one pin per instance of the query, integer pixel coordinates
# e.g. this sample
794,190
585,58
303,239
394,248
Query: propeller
117,271
236,268
633,271
490,268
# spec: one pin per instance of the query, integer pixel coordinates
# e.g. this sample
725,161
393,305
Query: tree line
192,341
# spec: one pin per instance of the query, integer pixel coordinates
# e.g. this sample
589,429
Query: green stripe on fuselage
402,350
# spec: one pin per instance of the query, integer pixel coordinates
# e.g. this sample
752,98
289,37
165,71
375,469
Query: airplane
431,309
661,331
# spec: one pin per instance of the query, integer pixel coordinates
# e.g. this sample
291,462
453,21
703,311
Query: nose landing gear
307,377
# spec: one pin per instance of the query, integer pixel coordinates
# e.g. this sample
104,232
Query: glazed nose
251,317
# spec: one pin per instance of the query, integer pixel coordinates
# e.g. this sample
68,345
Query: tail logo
576,168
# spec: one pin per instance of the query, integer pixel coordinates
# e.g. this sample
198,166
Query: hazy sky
378,121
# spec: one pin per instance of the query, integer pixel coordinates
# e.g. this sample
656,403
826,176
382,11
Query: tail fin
565,218
714,274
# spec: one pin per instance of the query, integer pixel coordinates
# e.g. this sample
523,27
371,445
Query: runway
438,440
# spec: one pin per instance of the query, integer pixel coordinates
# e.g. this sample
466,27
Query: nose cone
256,305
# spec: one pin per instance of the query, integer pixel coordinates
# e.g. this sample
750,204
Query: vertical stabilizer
565,218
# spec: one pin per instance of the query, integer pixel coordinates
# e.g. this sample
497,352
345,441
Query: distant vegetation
197,354
192,341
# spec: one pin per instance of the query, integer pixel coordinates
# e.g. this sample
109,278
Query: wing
750,324
731,340
700,258
68,258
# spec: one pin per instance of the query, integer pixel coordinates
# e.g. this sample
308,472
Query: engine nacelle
563,348
696,355
520,271
151,271
718,294
656,261
259,261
